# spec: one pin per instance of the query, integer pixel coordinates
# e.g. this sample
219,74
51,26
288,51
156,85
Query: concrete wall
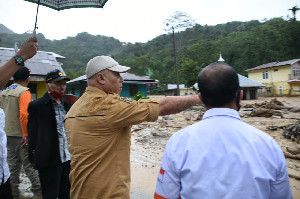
276,84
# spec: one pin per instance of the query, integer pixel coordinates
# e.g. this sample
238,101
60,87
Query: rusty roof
274,64
40,64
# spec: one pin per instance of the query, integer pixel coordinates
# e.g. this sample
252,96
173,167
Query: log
294,176
278,107
262,112
288,155
293,150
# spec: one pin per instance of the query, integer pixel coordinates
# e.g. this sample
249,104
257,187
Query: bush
139,96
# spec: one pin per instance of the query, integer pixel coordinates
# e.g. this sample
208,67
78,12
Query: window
265,75
280,90
133,89
296,72
275,70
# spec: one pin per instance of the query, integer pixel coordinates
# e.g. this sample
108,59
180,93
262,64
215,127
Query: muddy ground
150,138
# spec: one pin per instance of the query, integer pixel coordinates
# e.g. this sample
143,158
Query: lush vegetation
243,45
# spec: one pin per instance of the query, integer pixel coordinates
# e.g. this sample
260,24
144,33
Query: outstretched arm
28,50
175,104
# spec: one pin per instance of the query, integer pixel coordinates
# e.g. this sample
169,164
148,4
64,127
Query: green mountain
243,45
4,29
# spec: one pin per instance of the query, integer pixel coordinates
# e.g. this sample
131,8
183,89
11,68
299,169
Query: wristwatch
19,60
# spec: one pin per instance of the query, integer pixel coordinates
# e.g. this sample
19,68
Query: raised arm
27,51
175,104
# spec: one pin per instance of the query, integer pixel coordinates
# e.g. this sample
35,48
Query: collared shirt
98,127
60,114
4,170
222,157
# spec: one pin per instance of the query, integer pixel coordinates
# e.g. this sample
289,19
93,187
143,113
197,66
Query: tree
294,10
178,21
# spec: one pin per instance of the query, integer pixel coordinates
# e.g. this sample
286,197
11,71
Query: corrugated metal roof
274,64
244,83
81,78
128,78
40,64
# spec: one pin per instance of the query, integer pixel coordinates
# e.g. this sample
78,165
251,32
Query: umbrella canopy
66,4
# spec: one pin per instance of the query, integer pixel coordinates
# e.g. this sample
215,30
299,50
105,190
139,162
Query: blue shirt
223,157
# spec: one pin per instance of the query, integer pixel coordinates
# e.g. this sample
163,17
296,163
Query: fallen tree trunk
293,150
294,176
288,155
262,112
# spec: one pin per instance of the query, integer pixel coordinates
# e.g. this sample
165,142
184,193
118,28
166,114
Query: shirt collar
221,112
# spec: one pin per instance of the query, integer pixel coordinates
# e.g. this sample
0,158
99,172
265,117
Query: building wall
250,93
76,89
276,83
187,91
142,88
41,89
295,66
295,89
183,91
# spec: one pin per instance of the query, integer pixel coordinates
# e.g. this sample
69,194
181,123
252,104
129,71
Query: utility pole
175,60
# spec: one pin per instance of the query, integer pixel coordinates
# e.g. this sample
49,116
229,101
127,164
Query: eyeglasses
59,83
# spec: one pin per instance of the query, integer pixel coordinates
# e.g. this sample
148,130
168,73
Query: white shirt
223,157
4,170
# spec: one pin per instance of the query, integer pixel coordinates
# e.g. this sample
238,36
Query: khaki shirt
14,101
98,128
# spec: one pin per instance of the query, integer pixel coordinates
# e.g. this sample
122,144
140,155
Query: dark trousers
5,190
55,181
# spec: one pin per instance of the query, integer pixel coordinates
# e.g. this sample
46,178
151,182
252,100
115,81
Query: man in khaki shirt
98,128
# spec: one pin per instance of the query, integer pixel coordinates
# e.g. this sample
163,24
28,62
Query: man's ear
100,78
241,95
200,97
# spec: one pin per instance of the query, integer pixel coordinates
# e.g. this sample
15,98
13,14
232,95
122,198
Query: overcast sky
135,20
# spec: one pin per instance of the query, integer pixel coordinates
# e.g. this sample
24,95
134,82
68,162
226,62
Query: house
280,78
132,84
171,90
40,65
250,88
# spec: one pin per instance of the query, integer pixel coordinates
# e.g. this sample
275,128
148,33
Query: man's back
223,157
9,101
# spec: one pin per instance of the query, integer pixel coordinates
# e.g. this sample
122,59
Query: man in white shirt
27,51
221,156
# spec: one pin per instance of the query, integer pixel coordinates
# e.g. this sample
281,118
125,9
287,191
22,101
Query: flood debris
290,131
263,112
269,109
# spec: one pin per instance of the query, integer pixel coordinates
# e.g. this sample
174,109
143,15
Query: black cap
22,73
56,75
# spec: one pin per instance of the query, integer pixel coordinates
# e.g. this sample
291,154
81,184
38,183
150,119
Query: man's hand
28,48
24,141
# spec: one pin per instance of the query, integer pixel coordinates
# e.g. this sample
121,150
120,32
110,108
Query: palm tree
294,10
